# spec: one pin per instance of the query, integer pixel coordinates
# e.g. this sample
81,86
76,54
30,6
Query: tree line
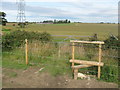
57,21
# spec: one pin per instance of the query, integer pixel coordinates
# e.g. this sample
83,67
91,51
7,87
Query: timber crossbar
93,63
92,42
83,62
80,66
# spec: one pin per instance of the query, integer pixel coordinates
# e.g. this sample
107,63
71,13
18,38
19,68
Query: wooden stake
26,51
75,74
100,55
59,52
73,54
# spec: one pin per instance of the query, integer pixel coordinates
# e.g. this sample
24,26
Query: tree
3,21
55,21
69,21
66,21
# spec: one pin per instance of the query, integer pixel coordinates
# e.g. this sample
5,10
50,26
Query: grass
58,67
46,56
13,60
82,29
11,74
53,66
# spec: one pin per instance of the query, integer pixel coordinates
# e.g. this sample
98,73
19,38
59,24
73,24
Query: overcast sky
74,10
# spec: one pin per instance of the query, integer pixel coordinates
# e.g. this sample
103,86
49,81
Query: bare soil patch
31,78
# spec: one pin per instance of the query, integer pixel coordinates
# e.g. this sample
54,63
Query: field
49,64
82,29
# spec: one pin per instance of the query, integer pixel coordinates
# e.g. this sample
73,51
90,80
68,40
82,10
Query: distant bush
22,25
112,42
16,38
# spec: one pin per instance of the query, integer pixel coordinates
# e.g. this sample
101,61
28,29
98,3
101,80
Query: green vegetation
53,56
12,74
110,73
112,42
3,21
16,38
46,55
6,31
50,62
14,59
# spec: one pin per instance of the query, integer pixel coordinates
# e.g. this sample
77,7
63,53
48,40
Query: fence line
61,51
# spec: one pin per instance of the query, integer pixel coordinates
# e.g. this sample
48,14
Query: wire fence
55,56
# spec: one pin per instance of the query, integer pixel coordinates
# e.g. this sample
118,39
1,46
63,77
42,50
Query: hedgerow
16,38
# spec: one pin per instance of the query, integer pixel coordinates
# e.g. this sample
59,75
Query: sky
90,11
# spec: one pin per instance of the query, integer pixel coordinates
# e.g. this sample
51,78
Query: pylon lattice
21,11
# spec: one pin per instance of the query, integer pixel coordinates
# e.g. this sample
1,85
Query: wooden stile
83,62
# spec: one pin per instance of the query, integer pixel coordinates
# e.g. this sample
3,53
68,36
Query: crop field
81,29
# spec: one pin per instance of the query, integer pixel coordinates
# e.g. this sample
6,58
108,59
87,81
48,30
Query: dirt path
31,78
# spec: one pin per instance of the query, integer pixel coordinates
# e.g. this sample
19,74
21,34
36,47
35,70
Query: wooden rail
90,42
93,63
81,66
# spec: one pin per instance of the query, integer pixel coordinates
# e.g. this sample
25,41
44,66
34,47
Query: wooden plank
81,66
73,55
87,62
99,58
93,42
26,51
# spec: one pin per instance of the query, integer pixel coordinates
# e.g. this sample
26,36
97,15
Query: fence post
59,51
100,52
73,55
26,51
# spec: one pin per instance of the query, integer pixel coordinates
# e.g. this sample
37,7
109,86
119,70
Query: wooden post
75,74
59,52
26,51
73,54
100,55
